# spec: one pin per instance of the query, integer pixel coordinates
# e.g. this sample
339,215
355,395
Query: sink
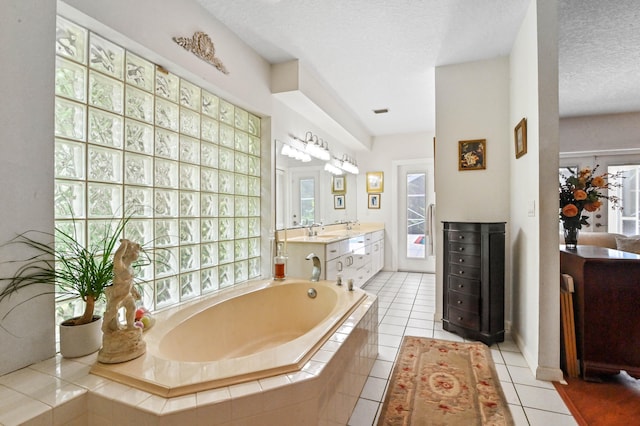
314,239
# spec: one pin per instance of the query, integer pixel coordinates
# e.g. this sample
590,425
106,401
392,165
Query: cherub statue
122,292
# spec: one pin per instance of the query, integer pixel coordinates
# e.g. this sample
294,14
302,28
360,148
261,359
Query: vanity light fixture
332,167
349,165
317,147
296,151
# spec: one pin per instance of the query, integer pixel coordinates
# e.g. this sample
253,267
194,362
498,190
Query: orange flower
599,182
579,195
592,207
570,210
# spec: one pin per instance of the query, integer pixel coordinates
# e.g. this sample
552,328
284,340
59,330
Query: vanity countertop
329,234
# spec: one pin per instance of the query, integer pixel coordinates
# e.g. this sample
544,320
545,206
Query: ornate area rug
439,382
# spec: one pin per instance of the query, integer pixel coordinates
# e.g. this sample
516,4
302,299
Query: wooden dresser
607,309
473,287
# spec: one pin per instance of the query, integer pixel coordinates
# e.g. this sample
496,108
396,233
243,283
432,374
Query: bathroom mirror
305,193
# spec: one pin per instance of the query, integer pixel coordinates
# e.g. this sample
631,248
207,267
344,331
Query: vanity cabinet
473,273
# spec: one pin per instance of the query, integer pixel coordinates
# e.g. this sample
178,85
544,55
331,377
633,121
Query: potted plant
72,269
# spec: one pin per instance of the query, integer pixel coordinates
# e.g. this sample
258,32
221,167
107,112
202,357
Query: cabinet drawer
332,250
464,285
464,271
464,237
464,301
464,319
471,249
464,259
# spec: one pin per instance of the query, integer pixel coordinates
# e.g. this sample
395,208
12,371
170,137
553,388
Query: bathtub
249,332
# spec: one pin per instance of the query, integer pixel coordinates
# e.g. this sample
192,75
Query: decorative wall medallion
202,46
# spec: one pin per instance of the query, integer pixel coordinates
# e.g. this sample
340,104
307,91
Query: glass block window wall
134,140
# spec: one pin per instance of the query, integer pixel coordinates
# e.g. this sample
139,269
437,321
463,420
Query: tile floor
406,307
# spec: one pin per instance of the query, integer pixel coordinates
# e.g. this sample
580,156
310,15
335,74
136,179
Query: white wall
600,132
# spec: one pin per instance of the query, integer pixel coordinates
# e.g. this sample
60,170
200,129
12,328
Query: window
307,201
131,138
416,214
627,220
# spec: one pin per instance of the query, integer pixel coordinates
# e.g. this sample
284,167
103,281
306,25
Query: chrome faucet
317,268
311,232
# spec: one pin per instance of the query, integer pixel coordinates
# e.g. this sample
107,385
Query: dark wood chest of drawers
473,287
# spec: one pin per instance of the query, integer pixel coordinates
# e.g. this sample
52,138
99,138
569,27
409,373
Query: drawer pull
459,302
461,237
461,272
460,286
460,318
461,260
461,249
333,251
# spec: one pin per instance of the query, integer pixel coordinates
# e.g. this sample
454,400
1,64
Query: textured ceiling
376,54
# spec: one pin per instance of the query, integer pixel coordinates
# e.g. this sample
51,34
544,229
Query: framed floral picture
375,182
374,201
338,202
472,155
520,137
338,185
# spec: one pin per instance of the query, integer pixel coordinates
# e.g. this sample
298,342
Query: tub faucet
315,272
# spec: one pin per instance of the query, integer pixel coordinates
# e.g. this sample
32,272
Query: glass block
69,159
189,258
241,205
69,309
254,206
139,231
241,119
71,40
189,150
71,80
138,201
225,252
209,280
69,227
254,165
241,185
189,231
189,122
254,227
139,104
106,56
98,230
254,186
209,230
226,182
189,286
166,203
227,112
226,136
189,204
105,92
209,129
254,268
241,227
146,289
167,144
167,85
69,199
166,261
166,292
225,159
241,271
105,164
166,114
69,119
208,205
210,104
254,146
253,125
166,232
209,155
241,141
140,72
209,254
189,95
166,173
254,247
189,177
208,180
226,229
138,137
226,206
105,128
225,275
138,169
241,163
104,201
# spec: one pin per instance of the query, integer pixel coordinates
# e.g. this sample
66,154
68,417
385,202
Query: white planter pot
80,340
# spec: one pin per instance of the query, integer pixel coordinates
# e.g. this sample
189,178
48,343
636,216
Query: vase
570,237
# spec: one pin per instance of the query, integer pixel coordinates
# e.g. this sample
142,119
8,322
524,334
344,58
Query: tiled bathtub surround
62,392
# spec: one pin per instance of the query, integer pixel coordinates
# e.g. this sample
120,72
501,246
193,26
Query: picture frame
520,138
375,182
338,184
472,154
338,202
374,201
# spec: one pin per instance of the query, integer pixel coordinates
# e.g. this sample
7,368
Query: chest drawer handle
460,318
461,272
461,249
460,286
459,302
461,237
461,260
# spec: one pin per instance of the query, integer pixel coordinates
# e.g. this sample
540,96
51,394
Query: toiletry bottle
279,264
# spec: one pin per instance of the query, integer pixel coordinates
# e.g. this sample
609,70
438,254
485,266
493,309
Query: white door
415,212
